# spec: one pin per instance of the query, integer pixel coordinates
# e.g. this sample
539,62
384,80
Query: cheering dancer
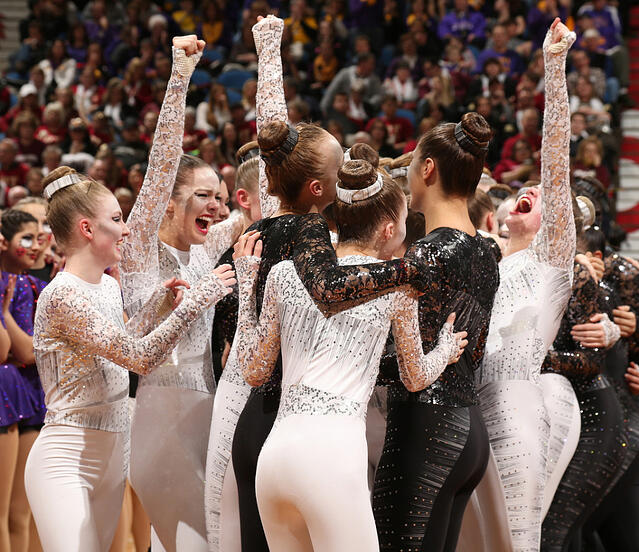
171,236
312,472
82,348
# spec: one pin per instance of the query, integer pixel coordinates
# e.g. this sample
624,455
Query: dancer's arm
139,251
417,369
223,235
270,104
586,300
337,287
258,339
70,316
555,242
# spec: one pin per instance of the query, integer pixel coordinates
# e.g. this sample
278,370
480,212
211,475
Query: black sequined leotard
436,444
602,445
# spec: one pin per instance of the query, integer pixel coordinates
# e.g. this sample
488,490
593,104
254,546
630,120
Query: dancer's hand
8,293
585,261
249,245
591,334
189,43
226,274
177,287
459,337
632,378
625,319
559,30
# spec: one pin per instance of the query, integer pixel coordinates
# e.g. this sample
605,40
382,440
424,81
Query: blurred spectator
510,60
578,131
464,23
580,67
114,104
12,172
136,85
34,182
36,78
585,100
99,27
491,69
135,178
192,136
32,50
228,175
401,85
363,72
301,25
125,199
58,67
213,28
27,102
88,95
228,143
131,149
107,169
378,138
529,132
518,167
186,18
29,148
149,123
101,130
51,159
605,20
15,194
249,92
78,139
53,129
441,93
540,17
212,114
298,111
338,114
588,161
408,49
210,153
325,64
78,43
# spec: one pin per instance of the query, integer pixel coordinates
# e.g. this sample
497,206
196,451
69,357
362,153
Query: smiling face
21,252
195,207
525,218
39,212
109,231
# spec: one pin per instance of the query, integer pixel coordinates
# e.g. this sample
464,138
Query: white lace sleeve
416,369
555,242
258,340
223,235
270,104
72,317
139,251
611,331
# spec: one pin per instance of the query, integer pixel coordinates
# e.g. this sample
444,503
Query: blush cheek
20,251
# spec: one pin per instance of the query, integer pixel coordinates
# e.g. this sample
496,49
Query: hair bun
276,140
476,129
357,174
365,152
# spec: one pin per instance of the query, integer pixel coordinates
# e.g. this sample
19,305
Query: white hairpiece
351,196
59,183
347,155
398,172
587,211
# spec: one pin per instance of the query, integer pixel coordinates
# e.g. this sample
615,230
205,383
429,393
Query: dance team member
311,479
171,236
83,349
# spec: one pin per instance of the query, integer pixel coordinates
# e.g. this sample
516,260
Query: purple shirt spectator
366,15
604,23
539,20
462,23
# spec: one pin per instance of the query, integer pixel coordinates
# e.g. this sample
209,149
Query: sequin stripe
231,396
187,372
518,429
113,416
302,399
422,446
591,471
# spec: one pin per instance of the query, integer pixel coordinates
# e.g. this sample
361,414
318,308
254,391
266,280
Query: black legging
434,456
591,472
253,427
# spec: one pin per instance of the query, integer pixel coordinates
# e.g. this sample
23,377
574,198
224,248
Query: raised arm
555,242
71,317
258,339
334,287
270,104
139,251
418,370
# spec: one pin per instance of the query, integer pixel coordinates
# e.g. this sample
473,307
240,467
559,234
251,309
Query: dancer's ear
429,171
86,228
316,188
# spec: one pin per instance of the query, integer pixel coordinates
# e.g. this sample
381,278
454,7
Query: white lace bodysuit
146,261
83,349
536,283
330,365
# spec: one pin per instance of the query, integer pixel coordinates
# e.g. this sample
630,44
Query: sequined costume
83,350
329,369
602,444
436,446
181,390
614,519
222,524
21,388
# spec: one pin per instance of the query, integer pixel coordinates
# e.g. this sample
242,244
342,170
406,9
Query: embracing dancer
311,479
171,236
535,285
76,470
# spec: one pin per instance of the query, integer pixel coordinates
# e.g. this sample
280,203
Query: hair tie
250,154
59,183
347,155
466,143
587,211
352,196
276,157
399,172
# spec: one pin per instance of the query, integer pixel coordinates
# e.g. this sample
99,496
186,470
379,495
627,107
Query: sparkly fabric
20,388
602,444
147,262
623,277
82,347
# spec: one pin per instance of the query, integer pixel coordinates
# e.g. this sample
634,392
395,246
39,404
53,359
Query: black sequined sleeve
567,357
334,287
624,277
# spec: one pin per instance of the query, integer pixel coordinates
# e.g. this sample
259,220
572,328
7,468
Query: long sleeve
555,242
334,287
151,314
139,251
567,357
73,318
418,370
270,104
258,339
222,236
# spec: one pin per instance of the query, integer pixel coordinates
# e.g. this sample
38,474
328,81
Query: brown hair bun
356,174
476,129
271,140
365,152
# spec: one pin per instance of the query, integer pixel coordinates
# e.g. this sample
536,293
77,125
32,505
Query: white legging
75,479
311,485
169,436
565,427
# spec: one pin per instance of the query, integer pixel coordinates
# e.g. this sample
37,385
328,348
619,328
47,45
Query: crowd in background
86,85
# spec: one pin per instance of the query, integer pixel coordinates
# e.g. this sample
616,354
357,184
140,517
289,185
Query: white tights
75,479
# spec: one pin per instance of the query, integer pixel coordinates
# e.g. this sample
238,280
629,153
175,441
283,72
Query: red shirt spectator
12,173
529,132
400,129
